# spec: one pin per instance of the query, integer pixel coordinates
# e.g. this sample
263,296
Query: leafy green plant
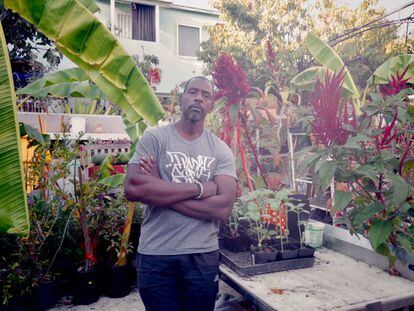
257,206
113,226
237,214
298,210
255,214
28,260
370,156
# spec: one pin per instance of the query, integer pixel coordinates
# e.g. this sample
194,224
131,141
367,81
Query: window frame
157,19
178,39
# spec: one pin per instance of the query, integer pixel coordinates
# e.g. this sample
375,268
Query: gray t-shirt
165,231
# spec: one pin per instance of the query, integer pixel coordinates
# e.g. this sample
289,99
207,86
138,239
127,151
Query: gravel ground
133,302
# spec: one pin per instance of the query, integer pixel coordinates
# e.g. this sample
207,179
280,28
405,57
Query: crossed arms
142,183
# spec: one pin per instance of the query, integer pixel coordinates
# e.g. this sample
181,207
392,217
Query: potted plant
86,203
236,241
280,203
258,218
29,262
116,280
304,251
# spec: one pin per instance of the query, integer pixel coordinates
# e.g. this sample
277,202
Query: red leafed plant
230,80
376,197
232,84
271,56
330,116
396,84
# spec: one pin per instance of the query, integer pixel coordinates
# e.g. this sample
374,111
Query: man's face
196,101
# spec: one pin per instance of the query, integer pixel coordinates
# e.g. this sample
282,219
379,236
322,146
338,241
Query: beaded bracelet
201,189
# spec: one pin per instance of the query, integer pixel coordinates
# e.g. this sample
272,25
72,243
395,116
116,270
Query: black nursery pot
44,296
306,252
237,244
85,287
290,251
118,281
264,256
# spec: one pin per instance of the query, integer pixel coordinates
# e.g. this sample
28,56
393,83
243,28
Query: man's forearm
215,207
154,191
157,192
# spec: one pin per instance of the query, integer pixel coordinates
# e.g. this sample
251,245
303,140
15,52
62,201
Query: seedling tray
242,263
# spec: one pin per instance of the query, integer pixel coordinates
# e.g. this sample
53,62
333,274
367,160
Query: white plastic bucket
314,234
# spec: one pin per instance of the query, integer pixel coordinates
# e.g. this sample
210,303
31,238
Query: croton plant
370,158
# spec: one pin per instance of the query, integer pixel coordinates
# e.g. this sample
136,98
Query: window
143,22
124,24
188,41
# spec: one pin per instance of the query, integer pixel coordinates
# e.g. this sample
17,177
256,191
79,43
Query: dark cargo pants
178,282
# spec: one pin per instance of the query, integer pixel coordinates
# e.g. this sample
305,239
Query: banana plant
305,81
329,59
73,82
14,215
392,67
81,37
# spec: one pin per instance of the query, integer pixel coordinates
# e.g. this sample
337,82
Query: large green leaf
14,217
90,5
361,214
63,76
326,174
306,80
72,82
380,232
81,37
405,242
325,55
73,89
342,199
391,67
399,189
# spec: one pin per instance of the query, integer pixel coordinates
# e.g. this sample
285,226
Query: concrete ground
133,302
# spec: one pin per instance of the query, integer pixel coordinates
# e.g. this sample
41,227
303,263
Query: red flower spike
329,114
395,85
230,80
387,135
271,56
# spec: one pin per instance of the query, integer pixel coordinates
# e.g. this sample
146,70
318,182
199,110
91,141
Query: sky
388,4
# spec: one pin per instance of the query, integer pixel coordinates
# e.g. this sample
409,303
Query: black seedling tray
242,263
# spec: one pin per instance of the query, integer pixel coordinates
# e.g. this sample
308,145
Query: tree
25,40
250,24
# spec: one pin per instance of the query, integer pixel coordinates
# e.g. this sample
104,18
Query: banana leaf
391,67
90,5
328,58
73,89
82,38
305,81
63,76
14,216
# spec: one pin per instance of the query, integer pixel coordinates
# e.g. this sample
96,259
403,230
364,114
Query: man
187,178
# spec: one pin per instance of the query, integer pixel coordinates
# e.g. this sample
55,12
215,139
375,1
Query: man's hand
149,167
